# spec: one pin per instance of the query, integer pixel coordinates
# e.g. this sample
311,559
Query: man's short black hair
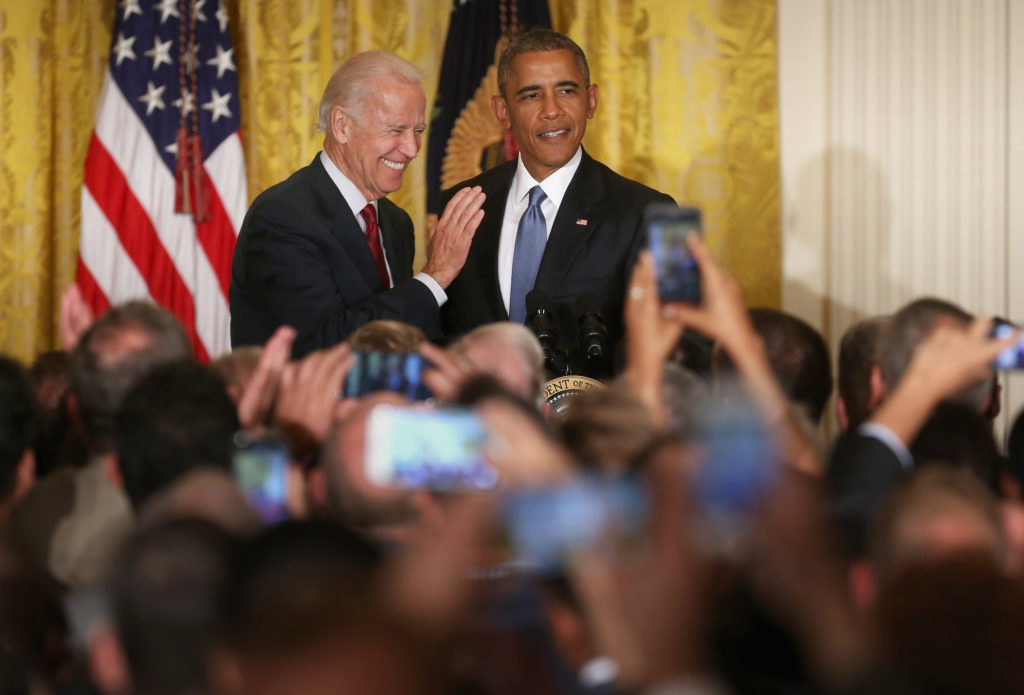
119,348
296,580
798,357
34,644
536,41
17,420
168,583
856,360
177,418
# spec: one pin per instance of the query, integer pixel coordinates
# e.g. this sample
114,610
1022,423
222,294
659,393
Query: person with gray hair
71,522
121,347
324,251
901,334
508,351
929,353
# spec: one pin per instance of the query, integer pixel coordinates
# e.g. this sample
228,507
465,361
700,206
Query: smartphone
260,468
437,449
667,227
547,526
739,467
1012,357
387,371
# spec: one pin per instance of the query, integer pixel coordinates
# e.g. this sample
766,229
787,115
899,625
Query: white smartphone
416,447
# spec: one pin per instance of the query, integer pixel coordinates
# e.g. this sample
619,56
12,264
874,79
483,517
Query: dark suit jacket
861,475
593,245
302,260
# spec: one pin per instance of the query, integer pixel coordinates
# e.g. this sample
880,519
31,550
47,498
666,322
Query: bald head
508,351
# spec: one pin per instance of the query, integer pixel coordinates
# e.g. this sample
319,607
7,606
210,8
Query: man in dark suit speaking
324,251
555,219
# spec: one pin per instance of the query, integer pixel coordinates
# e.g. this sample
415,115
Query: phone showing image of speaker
678,273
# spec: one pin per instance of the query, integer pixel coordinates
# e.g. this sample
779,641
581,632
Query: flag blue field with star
144,55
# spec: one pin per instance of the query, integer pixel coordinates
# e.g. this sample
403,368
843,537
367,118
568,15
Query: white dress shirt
554,187
356,202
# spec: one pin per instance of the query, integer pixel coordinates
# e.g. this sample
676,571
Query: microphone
540,319
593,331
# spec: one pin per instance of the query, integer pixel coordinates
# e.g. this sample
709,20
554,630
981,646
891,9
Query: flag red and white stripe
134,244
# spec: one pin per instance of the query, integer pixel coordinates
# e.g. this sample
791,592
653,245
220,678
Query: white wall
902,141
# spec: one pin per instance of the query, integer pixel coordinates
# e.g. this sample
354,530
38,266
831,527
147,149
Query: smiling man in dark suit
324,251
555,219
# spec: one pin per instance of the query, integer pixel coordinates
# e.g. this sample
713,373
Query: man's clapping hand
452,234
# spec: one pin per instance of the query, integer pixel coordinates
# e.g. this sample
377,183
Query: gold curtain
687,105
52,57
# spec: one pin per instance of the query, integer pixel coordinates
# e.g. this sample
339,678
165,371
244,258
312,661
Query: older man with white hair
324,251
508,351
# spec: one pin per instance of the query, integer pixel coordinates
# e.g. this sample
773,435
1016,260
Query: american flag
158,221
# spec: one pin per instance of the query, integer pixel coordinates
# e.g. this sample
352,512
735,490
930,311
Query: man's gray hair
903,332
119,348
516,336
350,85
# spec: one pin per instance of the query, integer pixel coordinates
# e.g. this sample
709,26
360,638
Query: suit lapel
567,233
344,226
399,263
488,234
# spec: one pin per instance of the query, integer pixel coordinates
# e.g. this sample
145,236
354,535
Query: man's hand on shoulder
452,234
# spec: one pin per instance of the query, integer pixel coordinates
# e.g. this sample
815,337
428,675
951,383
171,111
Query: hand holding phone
260,468
1011,357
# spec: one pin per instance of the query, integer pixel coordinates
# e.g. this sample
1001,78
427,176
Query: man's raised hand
451,236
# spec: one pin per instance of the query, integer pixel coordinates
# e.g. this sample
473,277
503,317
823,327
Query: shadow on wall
841,244
855,253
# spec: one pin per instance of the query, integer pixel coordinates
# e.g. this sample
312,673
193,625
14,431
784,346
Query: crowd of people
371,494
760,558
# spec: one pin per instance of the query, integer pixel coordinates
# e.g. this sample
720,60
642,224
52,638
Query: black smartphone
1012,357
260,466
667,227
387,371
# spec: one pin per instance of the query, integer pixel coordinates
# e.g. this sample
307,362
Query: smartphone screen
260,467
387,371
678,273
438,449
1011,357
547,526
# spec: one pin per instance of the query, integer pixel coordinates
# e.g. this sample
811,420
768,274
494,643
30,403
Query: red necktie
369,215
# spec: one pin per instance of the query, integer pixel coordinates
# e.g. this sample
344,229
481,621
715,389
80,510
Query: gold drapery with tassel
687,105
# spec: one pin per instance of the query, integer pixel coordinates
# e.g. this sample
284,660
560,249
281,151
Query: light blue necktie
531,238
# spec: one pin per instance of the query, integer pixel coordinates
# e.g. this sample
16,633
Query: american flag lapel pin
581,221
